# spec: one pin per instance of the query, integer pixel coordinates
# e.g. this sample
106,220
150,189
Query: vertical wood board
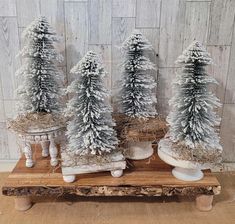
4,149
123,8
53,10
121,29
219,68
221,22
27,11
100,18
76,21
105,53
148,13
230,85
227,132
171,32
196,22
9,45
8,8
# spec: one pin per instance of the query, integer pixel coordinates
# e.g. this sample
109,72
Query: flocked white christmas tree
137,97
192,120
40,89
91,129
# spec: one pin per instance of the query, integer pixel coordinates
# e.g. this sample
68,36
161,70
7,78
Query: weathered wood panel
54,12
76,21
11,142
148,13
21,39
171,32
230,86
219,68
199,0
124,8
27,10
153,35
165,78
100,19
4,149
105,53
76,0
63,72
1,94
9,45
10,108
196,22
14,145
227,132
221,22
163,107
2,111
8,8
121,29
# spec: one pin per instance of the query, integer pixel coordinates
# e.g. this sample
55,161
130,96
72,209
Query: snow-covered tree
137,97
40,88
90,130
193,119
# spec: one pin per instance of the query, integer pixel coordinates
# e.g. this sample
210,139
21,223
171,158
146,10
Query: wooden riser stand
150,177
115,163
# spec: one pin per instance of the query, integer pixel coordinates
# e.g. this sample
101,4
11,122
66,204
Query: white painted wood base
139,150
184,170
116,165
187,174
47,139
69,178
117,173
45,148
53,151
28,155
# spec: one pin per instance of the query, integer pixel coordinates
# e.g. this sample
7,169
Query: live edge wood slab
150,177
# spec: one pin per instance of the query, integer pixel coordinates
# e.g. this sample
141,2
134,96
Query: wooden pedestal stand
150,177
47,138
115,163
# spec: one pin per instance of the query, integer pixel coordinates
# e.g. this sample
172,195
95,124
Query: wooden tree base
150,177
115,163
23,203
204,202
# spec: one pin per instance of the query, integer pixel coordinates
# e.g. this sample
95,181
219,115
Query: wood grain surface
72,209
150,177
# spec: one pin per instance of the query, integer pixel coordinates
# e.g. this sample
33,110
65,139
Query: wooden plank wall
102,25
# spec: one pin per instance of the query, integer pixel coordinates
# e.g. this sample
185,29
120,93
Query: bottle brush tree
90,130
40,89
192,120
137,95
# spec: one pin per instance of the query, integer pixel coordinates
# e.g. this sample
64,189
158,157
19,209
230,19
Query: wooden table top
151,177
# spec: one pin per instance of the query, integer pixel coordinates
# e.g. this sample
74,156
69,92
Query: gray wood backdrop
101,25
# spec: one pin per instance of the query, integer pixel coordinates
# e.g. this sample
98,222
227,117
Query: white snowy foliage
193,119
40,88
90,130
137,97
